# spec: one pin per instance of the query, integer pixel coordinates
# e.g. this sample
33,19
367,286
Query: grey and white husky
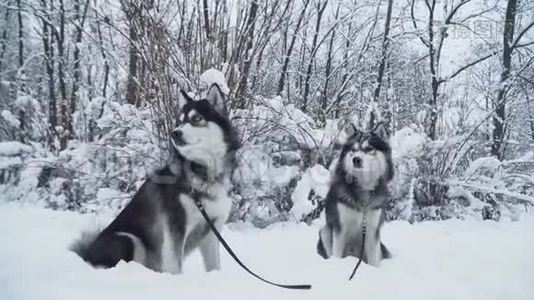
161,225
359,183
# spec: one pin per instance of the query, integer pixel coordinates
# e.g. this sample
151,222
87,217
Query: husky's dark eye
368,149
196,119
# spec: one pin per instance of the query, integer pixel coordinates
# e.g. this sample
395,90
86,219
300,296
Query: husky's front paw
320,248
324,244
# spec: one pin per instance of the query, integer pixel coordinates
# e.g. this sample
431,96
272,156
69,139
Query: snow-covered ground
433,260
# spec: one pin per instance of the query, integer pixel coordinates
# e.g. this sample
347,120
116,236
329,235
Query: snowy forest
89,88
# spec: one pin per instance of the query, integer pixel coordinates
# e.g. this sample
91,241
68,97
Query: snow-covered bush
280,173
22,119
86,176
437,180
308,196
282,170
494,189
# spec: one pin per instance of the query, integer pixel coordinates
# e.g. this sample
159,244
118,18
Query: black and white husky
161,225
359,183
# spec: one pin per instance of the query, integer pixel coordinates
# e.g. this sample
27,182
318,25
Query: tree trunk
328,71
21,36
132,93
206,19
499,119
4,39
242,87
76,69
320,11
530,116
287,57
258,66
383,60
133,13
104,58
48,42
434,83
65,115
345,77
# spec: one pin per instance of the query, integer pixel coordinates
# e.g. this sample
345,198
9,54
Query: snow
527,157
14,148
317,179
8,162
484,163
10,118
442,260
407,142
289,120
255,166
212,76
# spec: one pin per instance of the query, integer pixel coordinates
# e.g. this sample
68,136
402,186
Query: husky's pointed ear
381,131
216,98
351,130
186,97
347,126
183,99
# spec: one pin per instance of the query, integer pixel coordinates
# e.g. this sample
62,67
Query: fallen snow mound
438,260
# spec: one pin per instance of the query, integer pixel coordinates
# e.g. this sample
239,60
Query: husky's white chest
217,206
353,219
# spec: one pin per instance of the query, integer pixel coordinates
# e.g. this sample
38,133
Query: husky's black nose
177,136
357,162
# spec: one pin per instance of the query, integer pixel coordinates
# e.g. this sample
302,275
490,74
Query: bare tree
499,119
320,7
66,122
242,86
133,11
104,59
434,40
383,59
287,55
48,35
328,68
80,16
21,34
206,19
4,41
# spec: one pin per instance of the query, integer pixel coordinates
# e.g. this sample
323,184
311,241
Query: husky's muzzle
357,162
178,138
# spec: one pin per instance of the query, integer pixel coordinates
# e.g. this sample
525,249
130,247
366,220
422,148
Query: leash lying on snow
198,203
362,248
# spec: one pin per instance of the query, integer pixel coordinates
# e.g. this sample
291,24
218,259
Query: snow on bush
262,183
310,190
88,176
212,76
10,118
280,144
290,124
496,189
437,180
16,176
14,148
407,145
281,170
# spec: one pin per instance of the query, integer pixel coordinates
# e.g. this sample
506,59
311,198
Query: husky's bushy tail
82,245
386,254
103,250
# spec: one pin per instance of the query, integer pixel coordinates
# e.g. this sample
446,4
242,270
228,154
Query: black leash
234,256
362,248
